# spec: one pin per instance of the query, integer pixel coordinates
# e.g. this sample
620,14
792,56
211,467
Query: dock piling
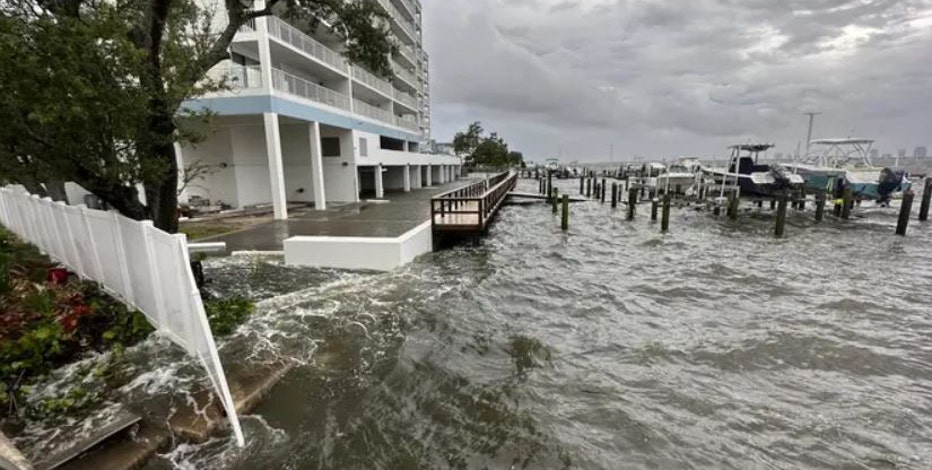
602,190
665,218
780,220
906,206
819,206
614,195
588,188
653,209
582,184
565,216
926,199
553,199
632,202
733,202
846,203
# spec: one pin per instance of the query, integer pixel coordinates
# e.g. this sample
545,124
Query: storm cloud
666,77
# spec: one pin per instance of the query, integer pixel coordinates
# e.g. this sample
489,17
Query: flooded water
610,346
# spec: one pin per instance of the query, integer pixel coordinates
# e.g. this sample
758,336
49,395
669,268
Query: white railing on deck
364,76
408,53
400,19
249,26
407,123
145,267
406,98
237,76
295,37
366,109
292,84
405,74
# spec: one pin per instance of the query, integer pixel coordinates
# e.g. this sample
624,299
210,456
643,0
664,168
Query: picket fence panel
143,266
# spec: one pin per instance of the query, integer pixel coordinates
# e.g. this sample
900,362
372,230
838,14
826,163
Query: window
330,146
363,147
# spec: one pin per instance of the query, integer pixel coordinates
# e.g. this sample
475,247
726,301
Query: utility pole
812,116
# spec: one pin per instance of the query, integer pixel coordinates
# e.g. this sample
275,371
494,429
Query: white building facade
302,125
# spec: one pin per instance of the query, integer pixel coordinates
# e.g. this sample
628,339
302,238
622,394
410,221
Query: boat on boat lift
846,162
680,175
751,177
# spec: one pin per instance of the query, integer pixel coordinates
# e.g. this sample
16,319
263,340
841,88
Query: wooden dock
469,209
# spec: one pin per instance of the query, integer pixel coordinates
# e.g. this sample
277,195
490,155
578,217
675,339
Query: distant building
920,152
887,155
442,148
901,153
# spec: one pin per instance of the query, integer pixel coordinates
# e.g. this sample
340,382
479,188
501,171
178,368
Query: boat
751,177
679,176
845,163
552,165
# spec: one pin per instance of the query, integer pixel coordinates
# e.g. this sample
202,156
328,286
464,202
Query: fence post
77,258
154,276
128,290
98,267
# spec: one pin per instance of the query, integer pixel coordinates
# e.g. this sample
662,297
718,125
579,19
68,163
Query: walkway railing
471,207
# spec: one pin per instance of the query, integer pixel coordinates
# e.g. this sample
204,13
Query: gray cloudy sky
680,77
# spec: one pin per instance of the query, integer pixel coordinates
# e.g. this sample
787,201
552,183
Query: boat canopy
752,147
846,141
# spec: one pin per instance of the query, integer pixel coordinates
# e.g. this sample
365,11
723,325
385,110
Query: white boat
552,164
846,163
751,177
679,177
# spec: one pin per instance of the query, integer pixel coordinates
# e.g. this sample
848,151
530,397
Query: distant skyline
666,78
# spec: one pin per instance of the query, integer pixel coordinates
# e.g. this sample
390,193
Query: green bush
225,315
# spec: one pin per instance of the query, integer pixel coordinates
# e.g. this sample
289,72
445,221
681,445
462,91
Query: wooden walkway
470,208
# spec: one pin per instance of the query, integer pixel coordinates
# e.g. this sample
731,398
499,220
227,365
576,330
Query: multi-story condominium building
301,124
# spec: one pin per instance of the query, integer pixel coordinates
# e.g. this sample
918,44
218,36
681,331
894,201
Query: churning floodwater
610,346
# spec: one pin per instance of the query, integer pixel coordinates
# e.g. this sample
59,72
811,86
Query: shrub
225,315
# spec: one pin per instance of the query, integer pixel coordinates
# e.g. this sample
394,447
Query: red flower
69,322
58,275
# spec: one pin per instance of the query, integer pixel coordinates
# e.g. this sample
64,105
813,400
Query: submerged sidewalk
397,214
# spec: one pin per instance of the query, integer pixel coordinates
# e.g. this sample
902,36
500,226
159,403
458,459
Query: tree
465,143
478,150
93,90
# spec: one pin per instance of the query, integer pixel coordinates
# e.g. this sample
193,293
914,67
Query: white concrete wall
394,178
296,158
370,253
219,184
251,165
340,182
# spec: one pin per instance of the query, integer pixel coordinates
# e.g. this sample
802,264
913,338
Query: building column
379,186
407,178
273,148
418,181
430,175
317,168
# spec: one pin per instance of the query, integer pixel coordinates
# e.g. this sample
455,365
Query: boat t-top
846,162
751,177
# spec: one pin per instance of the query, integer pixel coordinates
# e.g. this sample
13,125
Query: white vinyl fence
145,267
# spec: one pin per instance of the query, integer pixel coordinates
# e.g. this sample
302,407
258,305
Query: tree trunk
56,190
162,190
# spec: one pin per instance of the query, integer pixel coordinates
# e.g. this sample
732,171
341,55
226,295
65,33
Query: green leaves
225,315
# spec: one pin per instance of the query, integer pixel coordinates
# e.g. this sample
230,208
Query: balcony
405,99
405,75
365,109
399,18
408,53
294,37
365,77
407,122
237,77
294,85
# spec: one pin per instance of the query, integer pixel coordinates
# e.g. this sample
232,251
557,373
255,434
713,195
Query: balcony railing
249,26
406,99
288,83
364,76
237,76
405,75
301,41
400,19
408,53
409,123
366,109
